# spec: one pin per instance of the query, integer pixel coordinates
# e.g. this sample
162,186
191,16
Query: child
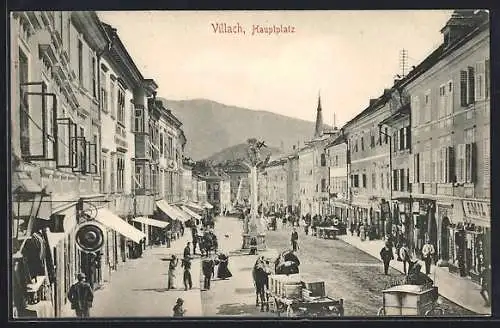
178,308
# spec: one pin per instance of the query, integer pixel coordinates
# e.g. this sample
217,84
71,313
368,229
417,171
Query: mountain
237,152
210,126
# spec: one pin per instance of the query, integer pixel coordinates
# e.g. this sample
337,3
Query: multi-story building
56,114
238,174
313,170
187,186
450,161
370,167
339,200
225,194
293,184
276,185
202,190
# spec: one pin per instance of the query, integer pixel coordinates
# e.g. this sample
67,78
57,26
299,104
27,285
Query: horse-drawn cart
296,297
411,300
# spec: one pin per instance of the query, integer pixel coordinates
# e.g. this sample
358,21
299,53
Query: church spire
318,132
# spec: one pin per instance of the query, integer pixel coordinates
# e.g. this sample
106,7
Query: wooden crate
292,291
316,287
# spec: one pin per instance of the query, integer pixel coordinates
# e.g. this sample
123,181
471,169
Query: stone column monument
254,226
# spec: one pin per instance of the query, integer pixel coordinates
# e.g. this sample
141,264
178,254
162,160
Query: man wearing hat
416,277
80,296
427,254
386,256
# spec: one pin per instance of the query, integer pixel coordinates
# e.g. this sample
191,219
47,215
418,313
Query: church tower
318,132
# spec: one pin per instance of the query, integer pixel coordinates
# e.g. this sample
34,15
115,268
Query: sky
346,56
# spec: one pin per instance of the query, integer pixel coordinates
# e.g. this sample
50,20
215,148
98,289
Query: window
336,160
467,87
427,109
323,185
120,172
80,61
94,78
356,145
139,176
402,138
434,166
362,144
323,159
388,180
112,176
395,143
372,140
170,147
374,181
469,135
121,107
364,180
24,113
449,99
104,173
112,92
470,158
104,92
395,179
442,101
386,136
162,145
415,110
480,81
355,180
416,168
382,180
139,119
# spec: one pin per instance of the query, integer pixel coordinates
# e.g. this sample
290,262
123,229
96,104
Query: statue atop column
253,227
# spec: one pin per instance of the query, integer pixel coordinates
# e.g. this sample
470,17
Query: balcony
121,137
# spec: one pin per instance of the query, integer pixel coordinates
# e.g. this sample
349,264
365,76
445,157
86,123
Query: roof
339,140
402,112
439,53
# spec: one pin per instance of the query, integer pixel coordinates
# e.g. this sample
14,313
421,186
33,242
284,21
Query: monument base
261,241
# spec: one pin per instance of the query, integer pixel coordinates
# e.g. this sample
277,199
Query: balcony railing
121,136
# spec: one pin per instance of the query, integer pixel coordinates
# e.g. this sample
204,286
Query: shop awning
185,215
151,222
169,210
194,205
113,221
207,205
54,238
193,214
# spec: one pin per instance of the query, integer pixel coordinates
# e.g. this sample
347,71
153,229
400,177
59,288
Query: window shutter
401,139
451,165
443,163
461,163
411,168
421,167
471,85
479,81
487,78
470,162
436,157
442,100
463,88
416,168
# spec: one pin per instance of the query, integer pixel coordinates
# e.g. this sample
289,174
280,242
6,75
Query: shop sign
478,210
401,207
385,208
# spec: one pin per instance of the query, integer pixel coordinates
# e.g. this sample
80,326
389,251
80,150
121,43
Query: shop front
403,222
470,240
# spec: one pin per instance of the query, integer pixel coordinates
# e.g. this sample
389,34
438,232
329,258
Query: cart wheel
435,311
289,311
381,312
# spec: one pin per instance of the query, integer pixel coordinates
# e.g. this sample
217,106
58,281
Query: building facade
276,185
450,161
370,167
293,183
339,196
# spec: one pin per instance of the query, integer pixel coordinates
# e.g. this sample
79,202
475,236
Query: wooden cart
295,307
410,300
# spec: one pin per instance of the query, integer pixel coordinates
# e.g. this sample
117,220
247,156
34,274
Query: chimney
373,101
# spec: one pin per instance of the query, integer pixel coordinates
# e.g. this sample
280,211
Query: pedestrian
186,264
80,296
253,246
295,239
222,267
416,277
172,268
404,255
187,250
386,256
207,266
486,285
194,233
427,255
179,310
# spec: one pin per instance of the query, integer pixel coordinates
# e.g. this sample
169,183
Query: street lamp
390,171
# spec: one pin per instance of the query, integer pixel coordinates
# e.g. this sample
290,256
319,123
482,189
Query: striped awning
171,211
191,213
151,222
185,216
194,205
114,222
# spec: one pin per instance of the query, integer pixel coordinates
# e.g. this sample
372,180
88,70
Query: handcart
411,300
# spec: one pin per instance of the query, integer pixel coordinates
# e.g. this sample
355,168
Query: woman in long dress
172,268
222,268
